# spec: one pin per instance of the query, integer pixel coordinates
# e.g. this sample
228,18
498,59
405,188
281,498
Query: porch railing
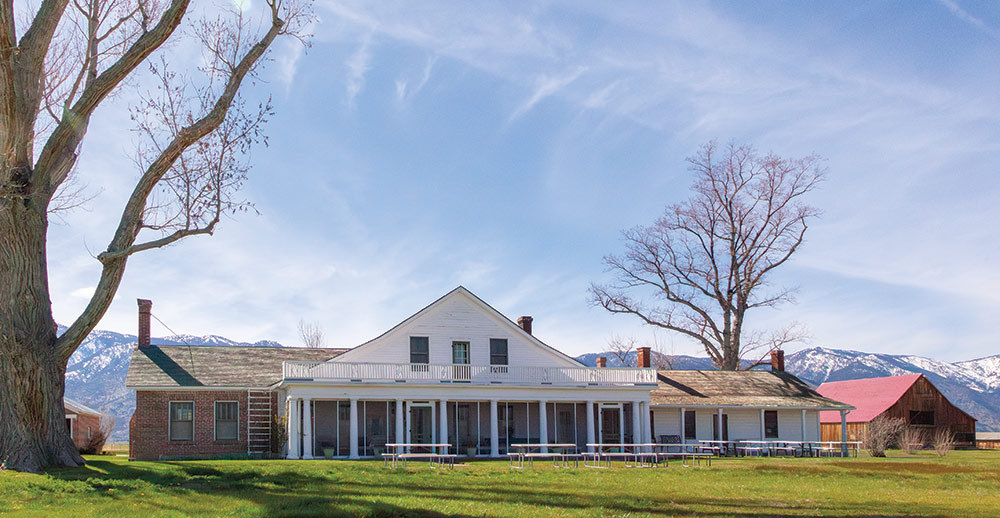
475,374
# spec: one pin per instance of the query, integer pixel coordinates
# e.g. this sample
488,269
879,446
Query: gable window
181,420
922,417
770,424
690,431
498,351
227,415
419,349
460,353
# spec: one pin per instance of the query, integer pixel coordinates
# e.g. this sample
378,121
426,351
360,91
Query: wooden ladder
259,421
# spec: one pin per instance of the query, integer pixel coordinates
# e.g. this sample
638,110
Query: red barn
911,397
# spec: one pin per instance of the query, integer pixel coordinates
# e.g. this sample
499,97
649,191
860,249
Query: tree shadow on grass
358,489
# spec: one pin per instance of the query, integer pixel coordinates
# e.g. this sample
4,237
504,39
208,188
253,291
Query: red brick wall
149,436
80,426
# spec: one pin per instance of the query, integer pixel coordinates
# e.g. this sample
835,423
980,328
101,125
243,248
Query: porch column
636,422
443,433
683,438
644,424
353,447
307,431
843,433
543,425
803,425
762,424
399,425
494,430
590,425
293,432
647,416
720,426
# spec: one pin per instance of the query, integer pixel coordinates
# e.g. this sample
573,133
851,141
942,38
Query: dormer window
419,349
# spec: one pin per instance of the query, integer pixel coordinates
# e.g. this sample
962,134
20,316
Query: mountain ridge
95,374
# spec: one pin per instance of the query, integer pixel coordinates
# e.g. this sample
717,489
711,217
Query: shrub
944,441
279,433
911,439
882,433
97,439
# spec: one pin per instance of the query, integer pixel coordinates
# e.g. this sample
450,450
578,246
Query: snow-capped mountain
95,375
973,385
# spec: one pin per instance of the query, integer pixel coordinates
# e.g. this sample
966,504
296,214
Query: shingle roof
215,366
870,396
756,389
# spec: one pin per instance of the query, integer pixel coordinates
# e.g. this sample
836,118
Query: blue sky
503,146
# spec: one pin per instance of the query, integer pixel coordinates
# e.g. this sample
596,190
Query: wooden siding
831,432
923,396
457,318
744,423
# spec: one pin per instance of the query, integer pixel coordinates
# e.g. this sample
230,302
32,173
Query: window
89,433
771,424
227,414
498,351
925,417
689,425
181,421
460,353
419,349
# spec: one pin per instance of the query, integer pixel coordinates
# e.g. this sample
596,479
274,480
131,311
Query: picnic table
835,448
693,452
559,457
637,455
724,446
773,448
404,451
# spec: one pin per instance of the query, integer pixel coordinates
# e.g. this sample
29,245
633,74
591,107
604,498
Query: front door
421,425
611,430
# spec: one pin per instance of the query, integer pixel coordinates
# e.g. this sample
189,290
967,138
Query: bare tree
661,358
701,267
620,348
59,63
311,334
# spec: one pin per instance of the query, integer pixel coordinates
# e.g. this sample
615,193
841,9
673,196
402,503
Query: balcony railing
423,373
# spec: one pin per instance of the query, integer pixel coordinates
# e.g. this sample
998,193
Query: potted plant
470,451
329,452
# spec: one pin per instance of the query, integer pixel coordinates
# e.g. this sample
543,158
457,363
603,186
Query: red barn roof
870,396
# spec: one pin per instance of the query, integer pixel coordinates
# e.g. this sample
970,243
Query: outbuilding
911,397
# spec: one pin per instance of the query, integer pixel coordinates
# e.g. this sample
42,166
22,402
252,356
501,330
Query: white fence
475,374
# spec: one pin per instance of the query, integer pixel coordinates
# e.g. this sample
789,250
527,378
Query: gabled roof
79,408
462,290
870,396
752,389
215,366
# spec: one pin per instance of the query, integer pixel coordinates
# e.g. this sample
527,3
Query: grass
965,483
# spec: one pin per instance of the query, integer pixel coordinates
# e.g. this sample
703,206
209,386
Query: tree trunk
33,432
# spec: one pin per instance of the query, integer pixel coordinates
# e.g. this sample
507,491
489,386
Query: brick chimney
145,306
777,360
602,362
643,357
525,323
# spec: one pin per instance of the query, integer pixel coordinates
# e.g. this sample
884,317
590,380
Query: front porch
356,428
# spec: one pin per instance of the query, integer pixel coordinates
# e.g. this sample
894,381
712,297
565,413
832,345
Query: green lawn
962,484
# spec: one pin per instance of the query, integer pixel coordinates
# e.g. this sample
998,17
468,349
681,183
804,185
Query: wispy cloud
403,89
967,17
357,66
547,85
